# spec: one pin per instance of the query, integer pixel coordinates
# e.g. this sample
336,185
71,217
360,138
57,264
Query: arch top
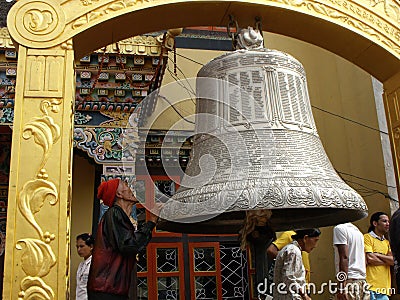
361,31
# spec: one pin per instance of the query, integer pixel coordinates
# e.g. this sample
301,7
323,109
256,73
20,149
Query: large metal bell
257,148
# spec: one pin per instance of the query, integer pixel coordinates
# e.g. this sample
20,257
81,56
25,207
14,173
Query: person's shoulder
340,234
287,234
353,228
284,239
338,226
341,227
116,208
368,236
291,247
114,211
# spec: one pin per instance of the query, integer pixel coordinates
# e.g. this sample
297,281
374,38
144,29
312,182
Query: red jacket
114,252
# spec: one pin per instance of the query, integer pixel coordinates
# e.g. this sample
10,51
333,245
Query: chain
258,24
232,35
175,73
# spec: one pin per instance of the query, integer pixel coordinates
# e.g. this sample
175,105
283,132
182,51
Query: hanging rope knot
254,218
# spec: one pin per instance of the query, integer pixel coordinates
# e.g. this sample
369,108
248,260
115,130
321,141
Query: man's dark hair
87,238
311,232
375,218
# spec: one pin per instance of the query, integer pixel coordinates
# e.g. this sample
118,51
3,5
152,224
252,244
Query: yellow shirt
286,238
377,276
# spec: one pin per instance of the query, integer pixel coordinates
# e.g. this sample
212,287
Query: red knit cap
107,190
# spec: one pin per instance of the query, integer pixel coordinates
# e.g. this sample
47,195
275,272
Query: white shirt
289,273
350,235
82,278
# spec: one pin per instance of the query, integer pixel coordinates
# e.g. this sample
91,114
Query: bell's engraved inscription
257,148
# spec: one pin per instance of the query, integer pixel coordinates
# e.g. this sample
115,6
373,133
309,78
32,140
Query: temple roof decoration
137,45
122,145
110,81
110,85
5,39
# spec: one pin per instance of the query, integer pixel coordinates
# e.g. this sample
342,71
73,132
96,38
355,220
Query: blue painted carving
107,145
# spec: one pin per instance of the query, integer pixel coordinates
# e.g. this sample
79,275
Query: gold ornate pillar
391,98
37,244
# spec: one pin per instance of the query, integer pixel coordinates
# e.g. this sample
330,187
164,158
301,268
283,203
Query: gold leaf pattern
32,197
358,17
88,2
115,6
324,10
37,259
350,13
45,133
38,20
95,14
118,119
35,288
52,103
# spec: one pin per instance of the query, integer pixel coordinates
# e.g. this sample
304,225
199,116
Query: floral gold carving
35,288
45,23
88,2
391,8
396,132
38,21
396,140
37,259
104,11
53,104
356,16
45,134
32,197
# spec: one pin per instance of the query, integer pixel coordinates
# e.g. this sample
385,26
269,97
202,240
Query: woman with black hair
289,272
84,246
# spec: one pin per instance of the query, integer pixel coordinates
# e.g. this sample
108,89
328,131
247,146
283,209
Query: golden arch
50,33
357,30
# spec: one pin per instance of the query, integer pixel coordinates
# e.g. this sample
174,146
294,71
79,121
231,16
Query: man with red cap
117,243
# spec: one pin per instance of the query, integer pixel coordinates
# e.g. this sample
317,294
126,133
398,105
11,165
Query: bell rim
281,220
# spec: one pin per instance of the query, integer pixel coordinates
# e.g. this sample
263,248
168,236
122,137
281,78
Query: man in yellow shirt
379,257
284,239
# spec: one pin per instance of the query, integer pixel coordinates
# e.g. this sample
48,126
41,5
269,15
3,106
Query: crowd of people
363,261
